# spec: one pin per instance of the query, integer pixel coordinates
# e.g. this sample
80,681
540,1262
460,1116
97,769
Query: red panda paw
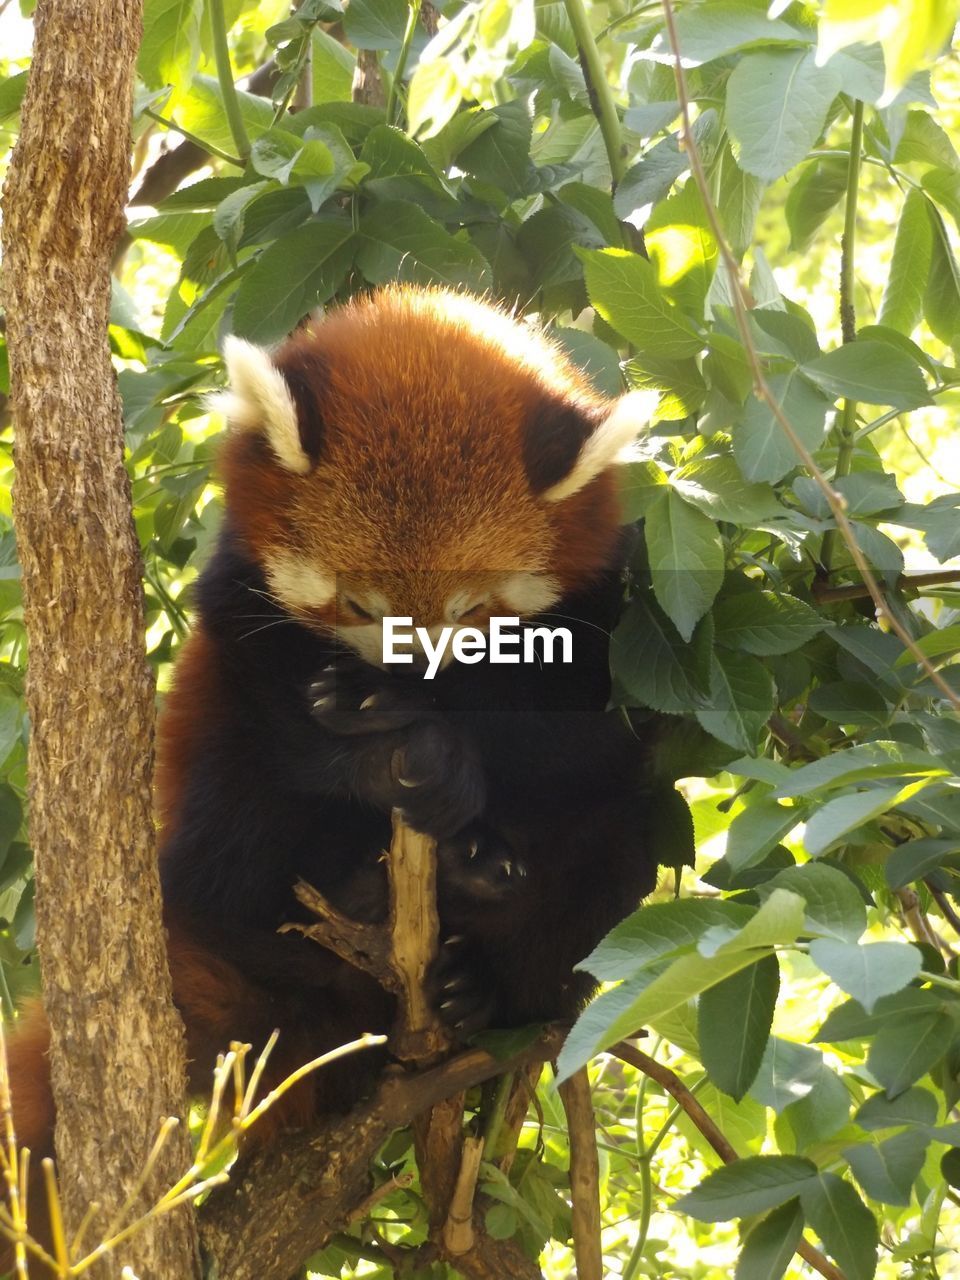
348,700
436,779
477,867
462,994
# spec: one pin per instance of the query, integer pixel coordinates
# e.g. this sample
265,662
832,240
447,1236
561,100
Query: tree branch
584,1175
668,1080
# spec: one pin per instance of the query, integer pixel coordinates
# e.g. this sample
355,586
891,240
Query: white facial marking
297,584
529,593
259,400
629,416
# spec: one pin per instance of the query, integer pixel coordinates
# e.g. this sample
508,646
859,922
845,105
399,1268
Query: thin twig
458,1233
823,593
740,309
413,16
668,1080
208,147
946,907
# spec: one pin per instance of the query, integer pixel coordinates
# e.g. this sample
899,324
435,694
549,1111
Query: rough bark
291,1199
117,1052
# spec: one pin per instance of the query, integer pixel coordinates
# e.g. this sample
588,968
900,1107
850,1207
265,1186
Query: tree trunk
117,1043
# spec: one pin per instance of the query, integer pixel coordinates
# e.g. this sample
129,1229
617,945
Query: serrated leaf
742,700
748,1186
905,1048
620,1012
293,275
887,1170
777,104
836,818
902,304
849,702
874,372
817,191
501,155
624,290
401,243
375,24
713,484
682,247
941,304
761,446
651,665
686,559
764,623
850,1022
916,1107
844,1224
734,1020
867,761
767,1250
834,907
738,202
658,930
917,858
680,381
867,971
170,48
757,829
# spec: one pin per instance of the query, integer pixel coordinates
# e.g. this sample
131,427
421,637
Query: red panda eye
362,614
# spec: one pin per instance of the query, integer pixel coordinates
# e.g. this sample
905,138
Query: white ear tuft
619,429
258,399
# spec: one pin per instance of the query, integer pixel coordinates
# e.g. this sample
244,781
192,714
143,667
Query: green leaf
867,971
777,104
501,155
834,906
202,112
619,1012
868,492
685,552
902,304
764,623
680,381
761,446
734,1020
906,1047
950,1166
712,482
376,24
651,665
725,26
682,247
738,202
837,817
658,930
815,193
887,1170
941,305
874,372
293,275
757,829
849,702
746,1187
916,859
861,763
844,1224
742,700
624,290
400,243
934,645
771,1244
11,816
850,1022
916,1106
170,48
924,141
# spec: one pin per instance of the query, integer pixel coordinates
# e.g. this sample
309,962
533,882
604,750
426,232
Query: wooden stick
584,1175
458,1233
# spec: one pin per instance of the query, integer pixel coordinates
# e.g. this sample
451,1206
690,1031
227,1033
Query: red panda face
420,454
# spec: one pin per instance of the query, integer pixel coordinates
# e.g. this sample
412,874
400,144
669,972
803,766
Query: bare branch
584,1175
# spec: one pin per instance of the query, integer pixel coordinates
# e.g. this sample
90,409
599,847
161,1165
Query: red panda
416,453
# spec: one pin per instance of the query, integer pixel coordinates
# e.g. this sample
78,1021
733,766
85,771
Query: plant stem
598,88
413,17
208,147
846,428
231,103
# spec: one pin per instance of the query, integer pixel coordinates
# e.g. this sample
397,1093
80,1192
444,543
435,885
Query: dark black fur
535,791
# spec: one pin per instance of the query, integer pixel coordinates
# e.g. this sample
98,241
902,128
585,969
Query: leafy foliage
821,760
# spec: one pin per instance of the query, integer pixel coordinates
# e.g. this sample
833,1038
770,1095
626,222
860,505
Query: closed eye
358,611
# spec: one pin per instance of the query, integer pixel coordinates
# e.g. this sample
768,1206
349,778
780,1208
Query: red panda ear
567,445
280,404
